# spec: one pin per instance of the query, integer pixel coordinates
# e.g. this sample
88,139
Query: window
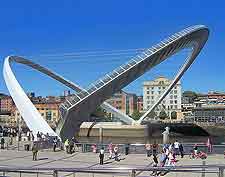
147,88
171,96
175,101
152,102
148,102
171,92
175,91
171,106
175,106
152,88
171,101
164,87
152,92
153,97
148,97
159,88
42,114
147,92
54,114
159,92
175,96
175,87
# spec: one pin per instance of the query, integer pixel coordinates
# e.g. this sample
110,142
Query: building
152,90
123,101
48,109
140,103
215,114
6,103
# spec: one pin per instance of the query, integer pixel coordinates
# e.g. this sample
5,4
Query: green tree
136,115
174,115
162,115
99,113
152,114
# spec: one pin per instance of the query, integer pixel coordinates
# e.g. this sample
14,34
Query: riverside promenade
49,159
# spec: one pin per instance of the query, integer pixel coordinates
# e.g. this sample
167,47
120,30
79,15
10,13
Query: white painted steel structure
78,108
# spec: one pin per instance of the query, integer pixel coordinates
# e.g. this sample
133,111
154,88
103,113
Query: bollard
221,172
203,169
55,173
133,173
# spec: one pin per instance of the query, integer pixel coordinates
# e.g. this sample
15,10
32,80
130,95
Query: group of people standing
113,153
168,155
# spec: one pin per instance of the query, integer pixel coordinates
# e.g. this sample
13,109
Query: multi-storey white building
152,90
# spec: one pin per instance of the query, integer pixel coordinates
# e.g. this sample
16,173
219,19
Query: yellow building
48,110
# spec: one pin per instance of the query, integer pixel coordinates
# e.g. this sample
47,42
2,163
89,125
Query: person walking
71,146
54,144
116,149
176,147
148,149
155,164
110,148
35,151
154,148
101,156
66,144
126,149
2,143
181,149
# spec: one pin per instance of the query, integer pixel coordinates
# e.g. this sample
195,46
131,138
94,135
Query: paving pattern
13,158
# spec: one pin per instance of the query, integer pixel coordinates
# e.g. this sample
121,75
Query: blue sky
33,28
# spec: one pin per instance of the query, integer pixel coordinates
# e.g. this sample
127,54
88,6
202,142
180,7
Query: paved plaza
48,159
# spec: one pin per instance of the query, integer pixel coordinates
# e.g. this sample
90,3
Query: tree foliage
174,115
162,115
99,113
136,115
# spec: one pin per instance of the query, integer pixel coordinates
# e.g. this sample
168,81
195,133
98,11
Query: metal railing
190,170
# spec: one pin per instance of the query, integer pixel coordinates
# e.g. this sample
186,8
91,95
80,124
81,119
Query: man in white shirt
176,147
101,156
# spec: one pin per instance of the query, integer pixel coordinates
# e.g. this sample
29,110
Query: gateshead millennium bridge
77,108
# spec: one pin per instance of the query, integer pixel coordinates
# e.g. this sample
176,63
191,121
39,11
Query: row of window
159,92
148,88
162,107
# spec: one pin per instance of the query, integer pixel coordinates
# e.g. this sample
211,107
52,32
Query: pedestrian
110,148
181,149
101,156
2,143
38,136
126,149
154,148
195,148
116,149
155,164
94,148
35,151
176,147
66,144
71,146
163,158
54,144
148,149
209,145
